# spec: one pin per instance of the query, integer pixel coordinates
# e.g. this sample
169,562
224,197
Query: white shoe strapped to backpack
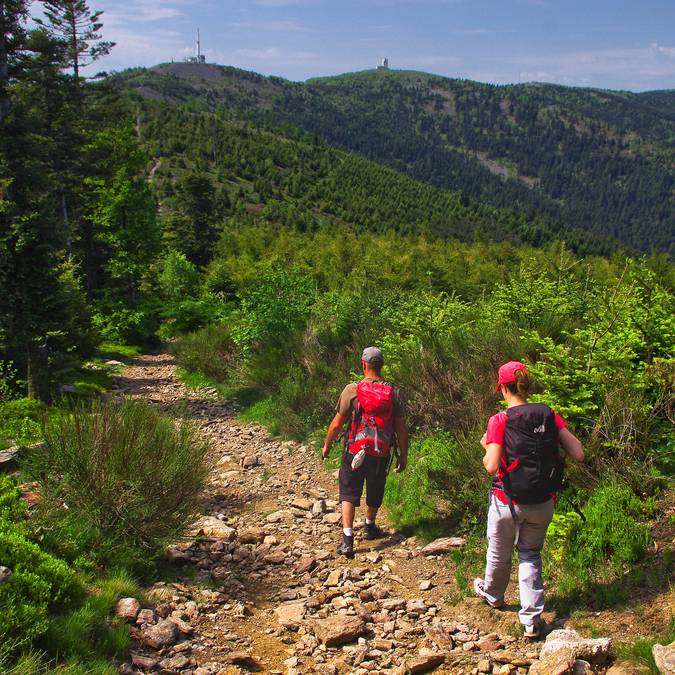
358,459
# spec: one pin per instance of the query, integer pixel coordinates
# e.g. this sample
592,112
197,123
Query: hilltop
592,159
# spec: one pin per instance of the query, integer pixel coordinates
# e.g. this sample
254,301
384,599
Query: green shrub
444,480
190,314
127,326
614,531
588,556
179,278
209,351
129,476
39,583
7,380
20,419
274,311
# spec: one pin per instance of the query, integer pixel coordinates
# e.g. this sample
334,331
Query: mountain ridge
593,159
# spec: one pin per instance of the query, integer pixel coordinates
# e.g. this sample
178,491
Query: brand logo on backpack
372,426
534,466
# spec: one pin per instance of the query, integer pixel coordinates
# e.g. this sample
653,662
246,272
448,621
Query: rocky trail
261,589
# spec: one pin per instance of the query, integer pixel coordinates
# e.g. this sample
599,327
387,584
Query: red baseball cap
507,373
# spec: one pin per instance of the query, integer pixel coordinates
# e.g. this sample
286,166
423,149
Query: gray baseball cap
372,355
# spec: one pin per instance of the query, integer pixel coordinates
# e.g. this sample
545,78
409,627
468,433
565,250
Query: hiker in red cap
377,423
525,446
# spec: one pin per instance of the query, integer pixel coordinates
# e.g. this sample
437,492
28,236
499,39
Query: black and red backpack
372,425
534,465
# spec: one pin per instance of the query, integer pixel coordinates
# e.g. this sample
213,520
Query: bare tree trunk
73,46
36,372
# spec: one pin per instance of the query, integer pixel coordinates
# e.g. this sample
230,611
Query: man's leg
351,487
376,478
348,511
371,513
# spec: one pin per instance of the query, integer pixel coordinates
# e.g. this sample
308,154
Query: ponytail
522,384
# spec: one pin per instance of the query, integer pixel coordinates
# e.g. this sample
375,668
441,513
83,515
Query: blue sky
617,44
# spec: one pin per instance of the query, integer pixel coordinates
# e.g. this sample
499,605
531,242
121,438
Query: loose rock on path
261,587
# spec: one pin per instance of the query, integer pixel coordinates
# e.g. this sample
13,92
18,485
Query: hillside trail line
257,585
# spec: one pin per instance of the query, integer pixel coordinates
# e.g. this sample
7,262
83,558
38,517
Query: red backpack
372,427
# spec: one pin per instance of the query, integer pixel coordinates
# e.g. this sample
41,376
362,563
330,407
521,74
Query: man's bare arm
334,429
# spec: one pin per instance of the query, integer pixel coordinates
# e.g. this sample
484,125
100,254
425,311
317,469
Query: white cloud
141,11
284,25
626,68
283,3
274,55
660,49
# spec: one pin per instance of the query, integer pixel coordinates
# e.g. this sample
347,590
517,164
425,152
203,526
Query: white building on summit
384,64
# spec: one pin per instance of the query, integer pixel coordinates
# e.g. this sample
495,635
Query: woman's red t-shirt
495,434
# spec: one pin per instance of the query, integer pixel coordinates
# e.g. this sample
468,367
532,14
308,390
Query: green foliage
640,650
585,554
614,530
128,326
130,477
89,627
276,308
179,277
20,419
185,308
39,584
7,381
209,351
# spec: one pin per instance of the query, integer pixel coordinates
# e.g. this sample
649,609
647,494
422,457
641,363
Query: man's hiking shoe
479,590
532,631
346,546
372,531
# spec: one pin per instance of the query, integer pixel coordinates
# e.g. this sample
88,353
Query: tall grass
120,476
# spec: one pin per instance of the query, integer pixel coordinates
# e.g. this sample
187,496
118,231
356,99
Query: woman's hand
483,441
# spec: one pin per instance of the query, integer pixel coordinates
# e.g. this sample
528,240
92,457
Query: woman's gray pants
533,521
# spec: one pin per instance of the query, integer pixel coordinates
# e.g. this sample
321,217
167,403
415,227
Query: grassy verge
70,566
640,651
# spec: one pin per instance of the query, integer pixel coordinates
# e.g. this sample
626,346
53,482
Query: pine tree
38,324
12,35
78,27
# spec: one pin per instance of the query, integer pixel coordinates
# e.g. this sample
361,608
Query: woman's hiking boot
346,546
532,631
372,531
479,590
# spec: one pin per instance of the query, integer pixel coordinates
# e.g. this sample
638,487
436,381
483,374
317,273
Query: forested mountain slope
598,160
261,171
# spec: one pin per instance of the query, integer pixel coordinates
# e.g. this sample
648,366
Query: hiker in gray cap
377,425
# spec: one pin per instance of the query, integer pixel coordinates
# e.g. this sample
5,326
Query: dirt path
260,586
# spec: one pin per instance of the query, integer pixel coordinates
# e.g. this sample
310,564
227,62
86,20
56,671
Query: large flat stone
338,630
426,661
595,651
163,634
213,527
290,614
443,545
664,657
